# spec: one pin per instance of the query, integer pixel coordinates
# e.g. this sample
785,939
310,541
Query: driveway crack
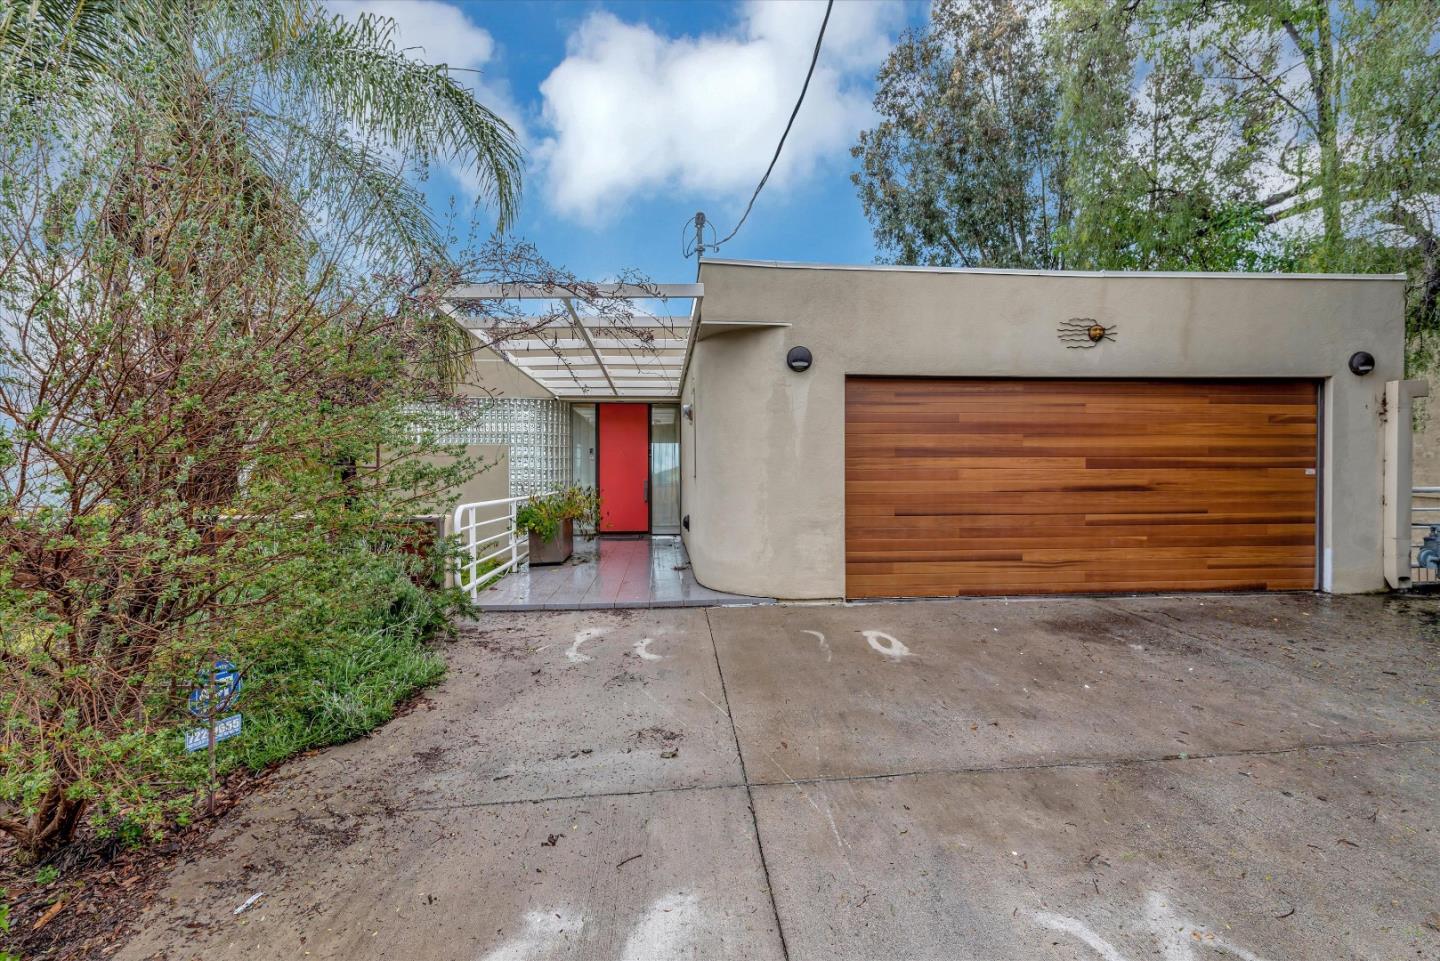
1060,764
749,791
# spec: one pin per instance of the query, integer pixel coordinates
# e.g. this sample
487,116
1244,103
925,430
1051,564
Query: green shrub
5,928
343,663
210,445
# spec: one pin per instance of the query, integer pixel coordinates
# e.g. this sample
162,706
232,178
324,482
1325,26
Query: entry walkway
609,572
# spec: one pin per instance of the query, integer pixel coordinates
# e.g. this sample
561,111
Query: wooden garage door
1054,486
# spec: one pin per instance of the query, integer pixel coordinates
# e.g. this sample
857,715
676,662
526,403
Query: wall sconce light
799,359
689,411
1361,363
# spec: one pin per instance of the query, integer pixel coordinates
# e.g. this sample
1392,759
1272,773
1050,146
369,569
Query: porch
608,572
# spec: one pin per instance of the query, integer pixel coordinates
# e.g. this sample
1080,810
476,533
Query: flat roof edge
1136,274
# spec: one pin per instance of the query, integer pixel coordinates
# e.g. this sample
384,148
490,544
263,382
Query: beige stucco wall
491,480
489,375
764,455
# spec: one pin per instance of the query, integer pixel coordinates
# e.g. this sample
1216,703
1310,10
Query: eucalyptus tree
1165,134
1316,123
1164,162
1354,91
963,166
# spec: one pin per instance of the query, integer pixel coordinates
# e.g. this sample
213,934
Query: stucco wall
489,375
491,481
764,456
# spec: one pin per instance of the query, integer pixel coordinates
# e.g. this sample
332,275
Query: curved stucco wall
764,456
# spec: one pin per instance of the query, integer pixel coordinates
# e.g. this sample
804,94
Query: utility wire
814,59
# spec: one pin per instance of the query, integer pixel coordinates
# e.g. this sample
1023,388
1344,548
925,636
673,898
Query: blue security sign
199,739
216,692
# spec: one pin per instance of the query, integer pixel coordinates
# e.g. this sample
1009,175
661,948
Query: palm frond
357,71
83,36
397,213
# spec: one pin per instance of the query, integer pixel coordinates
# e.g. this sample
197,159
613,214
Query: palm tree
294,78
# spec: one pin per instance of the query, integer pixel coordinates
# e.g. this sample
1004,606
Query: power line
814,59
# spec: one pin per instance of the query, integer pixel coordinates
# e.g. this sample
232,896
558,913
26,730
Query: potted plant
550,522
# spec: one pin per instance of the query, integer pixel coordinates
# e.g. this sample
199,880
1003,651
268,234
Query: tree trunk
1327,132
52,826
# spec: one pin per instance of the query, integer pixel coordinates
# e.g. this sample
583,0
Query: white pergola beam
590,342
617,376
640,322
635,385
577,343
574,353
557,292
569,360
603,394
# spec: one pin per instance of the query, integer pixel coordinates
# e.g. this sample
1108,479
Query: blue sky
636,114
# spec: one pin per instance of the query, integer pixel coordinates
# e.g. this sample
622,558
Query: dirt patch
431,759
625,677
666,740
334,834
656,735
102,886
496,642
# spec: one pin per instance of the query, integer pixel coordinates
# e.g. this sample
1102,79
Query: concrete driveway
1121,780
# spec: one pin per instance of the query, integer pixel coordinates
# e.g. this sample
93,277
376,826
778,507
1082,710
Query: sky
634,114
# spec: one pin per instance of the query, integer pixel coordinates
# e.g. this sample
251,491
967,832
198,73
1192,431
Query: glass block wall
536,430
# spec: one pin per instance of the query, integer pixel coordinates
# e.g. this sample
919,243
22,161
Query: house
816,431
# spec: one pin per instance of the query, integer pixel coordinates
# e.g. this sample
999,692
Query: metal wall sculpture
1084,332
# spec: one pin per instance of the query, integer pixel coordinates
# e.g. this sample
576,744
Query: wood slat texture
1071,486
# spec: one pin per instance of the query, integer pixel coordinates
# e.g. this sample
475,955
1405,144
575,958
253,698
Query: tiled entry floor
609,572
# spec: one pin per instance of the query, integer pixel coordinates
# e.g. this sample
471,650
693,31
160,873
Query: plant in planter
550,522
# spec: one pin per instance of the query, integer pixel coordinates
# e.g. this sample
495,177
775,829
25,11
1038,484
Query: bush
543,516
347,649
208,446
343,663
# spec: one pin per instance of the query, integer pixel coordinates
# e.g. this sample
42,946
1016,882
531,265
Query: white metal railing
490,547
1424,566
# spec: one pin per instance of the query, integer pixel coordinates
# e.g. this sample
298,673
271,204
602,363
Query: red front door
624,468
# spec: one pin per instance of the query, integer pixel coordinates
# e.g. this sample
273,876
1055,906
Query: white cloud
630,110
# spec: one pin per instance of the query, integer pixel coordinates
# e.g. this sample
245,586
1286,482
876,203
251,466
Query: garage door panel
956,487
1113,420
1005,446
924,505
984,525
1002,578
1292,479
1092,558
1225,581
886,545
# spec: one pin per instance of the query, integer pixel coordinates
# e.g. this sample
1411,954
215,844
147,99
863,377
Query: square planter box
556,550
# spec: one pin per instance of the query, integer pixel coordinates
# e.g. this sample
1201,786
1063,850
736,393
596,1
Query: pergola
578,354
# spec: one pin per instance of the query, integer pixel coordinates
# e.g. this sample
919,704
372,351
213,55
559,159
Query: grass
358,663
